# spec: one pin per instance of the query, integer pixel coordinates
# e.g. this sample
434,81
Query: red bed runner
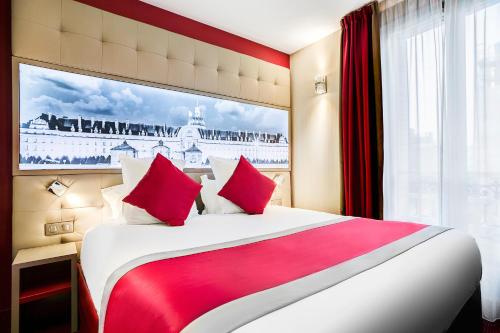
166,295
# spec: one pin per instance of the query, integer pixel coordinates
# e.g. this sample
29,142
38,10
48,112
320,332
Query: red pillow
248,188
165,192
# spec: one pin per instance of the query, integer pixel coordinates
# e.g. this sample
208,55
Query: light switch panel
58,228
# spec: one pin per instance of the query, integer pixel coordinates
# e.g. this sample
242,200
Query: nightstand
28,259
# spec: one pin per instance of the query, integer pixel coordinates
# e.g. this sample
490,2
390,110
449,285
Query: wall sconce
320,84
57,188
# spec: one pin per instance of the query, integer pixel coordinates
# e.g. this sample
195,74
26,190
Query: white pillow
133,169
222,168
113,196
133,215
214,203
136,215
209,195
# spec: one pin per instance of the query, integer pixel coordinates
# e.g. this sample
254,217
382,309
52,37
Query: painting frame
16,61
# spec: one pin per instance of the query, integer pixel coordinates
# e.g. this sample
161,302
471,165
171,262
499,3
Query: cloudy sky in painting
68,94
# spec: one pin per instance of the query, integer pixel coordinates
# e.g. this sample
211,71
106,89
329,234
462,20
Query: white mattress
420,290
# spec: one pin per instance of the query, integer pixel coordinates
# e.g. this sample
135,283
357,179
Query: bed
421,288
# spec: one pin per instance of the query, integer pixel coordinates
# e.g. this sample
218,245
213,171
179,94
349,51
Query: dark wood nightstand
38,289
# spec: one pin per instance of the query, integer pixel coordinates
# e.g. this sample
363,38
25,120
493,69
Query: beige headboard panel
66,32
34,206
69,33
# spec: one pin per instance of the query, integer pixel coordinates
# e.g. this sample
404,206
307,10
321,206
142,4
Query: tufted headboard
34,206
69,33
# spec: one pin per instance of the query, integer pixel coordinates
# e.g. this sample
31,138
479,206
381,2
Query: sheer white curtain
441,95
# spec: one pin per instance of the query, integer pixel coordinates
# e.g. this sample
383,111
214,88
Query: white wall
315,127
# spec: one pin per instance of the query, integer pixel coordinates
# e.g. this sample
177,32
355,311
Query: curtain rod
359,8
383,4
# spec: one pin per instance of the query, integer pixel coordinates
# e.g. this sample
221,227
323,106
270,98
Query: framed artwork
76,121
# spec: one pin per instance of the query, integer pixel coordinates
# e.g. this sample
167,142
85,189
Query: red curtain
361,114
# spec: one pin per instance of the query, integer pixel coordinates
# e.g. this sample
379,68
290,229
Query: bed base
88,318
468,320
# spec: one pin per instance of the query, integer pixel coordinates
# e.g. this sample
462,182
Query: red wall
5,165
161,18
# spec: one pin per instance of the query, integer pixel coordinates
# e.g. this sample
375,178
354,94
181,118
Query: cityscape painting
75,121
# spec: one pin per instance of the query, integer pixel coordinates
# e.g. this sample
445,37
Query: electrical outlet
58,228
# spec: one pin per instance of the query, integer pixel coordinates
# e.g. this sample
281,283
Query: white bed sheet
420,290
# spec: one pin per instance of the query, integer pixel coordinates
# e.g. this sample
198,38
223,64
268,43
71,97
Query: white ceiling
285,25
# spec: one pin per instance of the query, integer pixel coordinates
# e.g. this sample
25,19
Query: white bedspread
420,290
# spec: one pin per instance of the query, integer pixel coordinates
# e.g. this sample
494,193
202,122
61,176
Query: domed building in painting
102,140
121,150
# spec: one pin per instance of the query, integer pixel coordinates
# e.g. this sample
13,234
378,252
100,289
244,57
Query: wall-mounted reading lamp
320,84
57,188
